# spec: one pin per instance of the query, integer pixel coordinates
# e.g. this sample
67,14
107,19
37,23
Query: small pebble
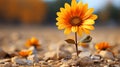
65,65
84,54
96,58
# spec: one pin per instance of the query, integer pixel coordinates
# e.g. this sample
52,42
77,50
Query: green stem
76,43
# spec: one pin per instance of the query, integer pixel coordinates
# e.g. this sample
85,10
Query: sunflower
76,18
102,46
25,53
32,42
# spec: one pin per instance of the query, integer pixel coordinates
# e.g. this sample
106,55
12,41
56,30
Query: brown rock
7,64
51,55
4,60
65,65
2,53
43,62
15,65
86,61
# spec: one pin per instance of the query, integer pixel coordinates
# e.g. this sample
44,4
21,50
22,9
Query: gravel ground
13,39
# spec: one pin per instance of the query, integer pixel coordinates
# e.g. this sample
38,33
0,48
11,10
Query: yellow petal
88,27
62,9
61,27
96,46
73,3
58,23
84,9
88,13
30,52
74,28
67,31
93,17
33,39
59,13
86,31
80,4
67,6
80,8
59,19
80,31
89,21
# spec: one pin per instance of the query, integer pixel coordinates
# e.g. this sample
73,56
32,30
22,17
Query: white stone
106,66
33,58
96,58
32,48
80,48
18,60
29,62
110,61
50,61
106,54
57,54
84,54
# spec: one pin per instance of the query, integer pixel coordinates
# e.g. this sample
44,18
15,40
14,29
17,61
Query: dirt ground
12,38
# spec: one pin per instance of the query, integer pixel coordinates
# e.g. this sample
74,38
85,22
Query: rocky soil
54,51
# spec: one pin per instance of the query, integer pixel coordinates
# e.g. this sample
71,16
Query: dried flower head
25,53
102,46
76,18
32,42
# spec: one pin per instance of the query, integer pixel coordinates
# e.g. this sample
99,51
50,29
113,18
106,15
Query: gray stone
33,58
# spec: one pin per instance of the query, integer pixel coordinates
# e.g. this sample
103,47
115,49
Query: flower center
75,21
104,48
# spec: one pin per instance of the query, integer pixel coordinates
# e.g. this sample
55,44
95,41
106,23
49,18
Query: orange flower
32,42
76,18
25,53
102,46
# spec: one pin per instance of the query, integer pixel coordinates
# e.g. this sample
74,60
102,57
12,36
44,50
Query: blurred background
23,19
43,12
